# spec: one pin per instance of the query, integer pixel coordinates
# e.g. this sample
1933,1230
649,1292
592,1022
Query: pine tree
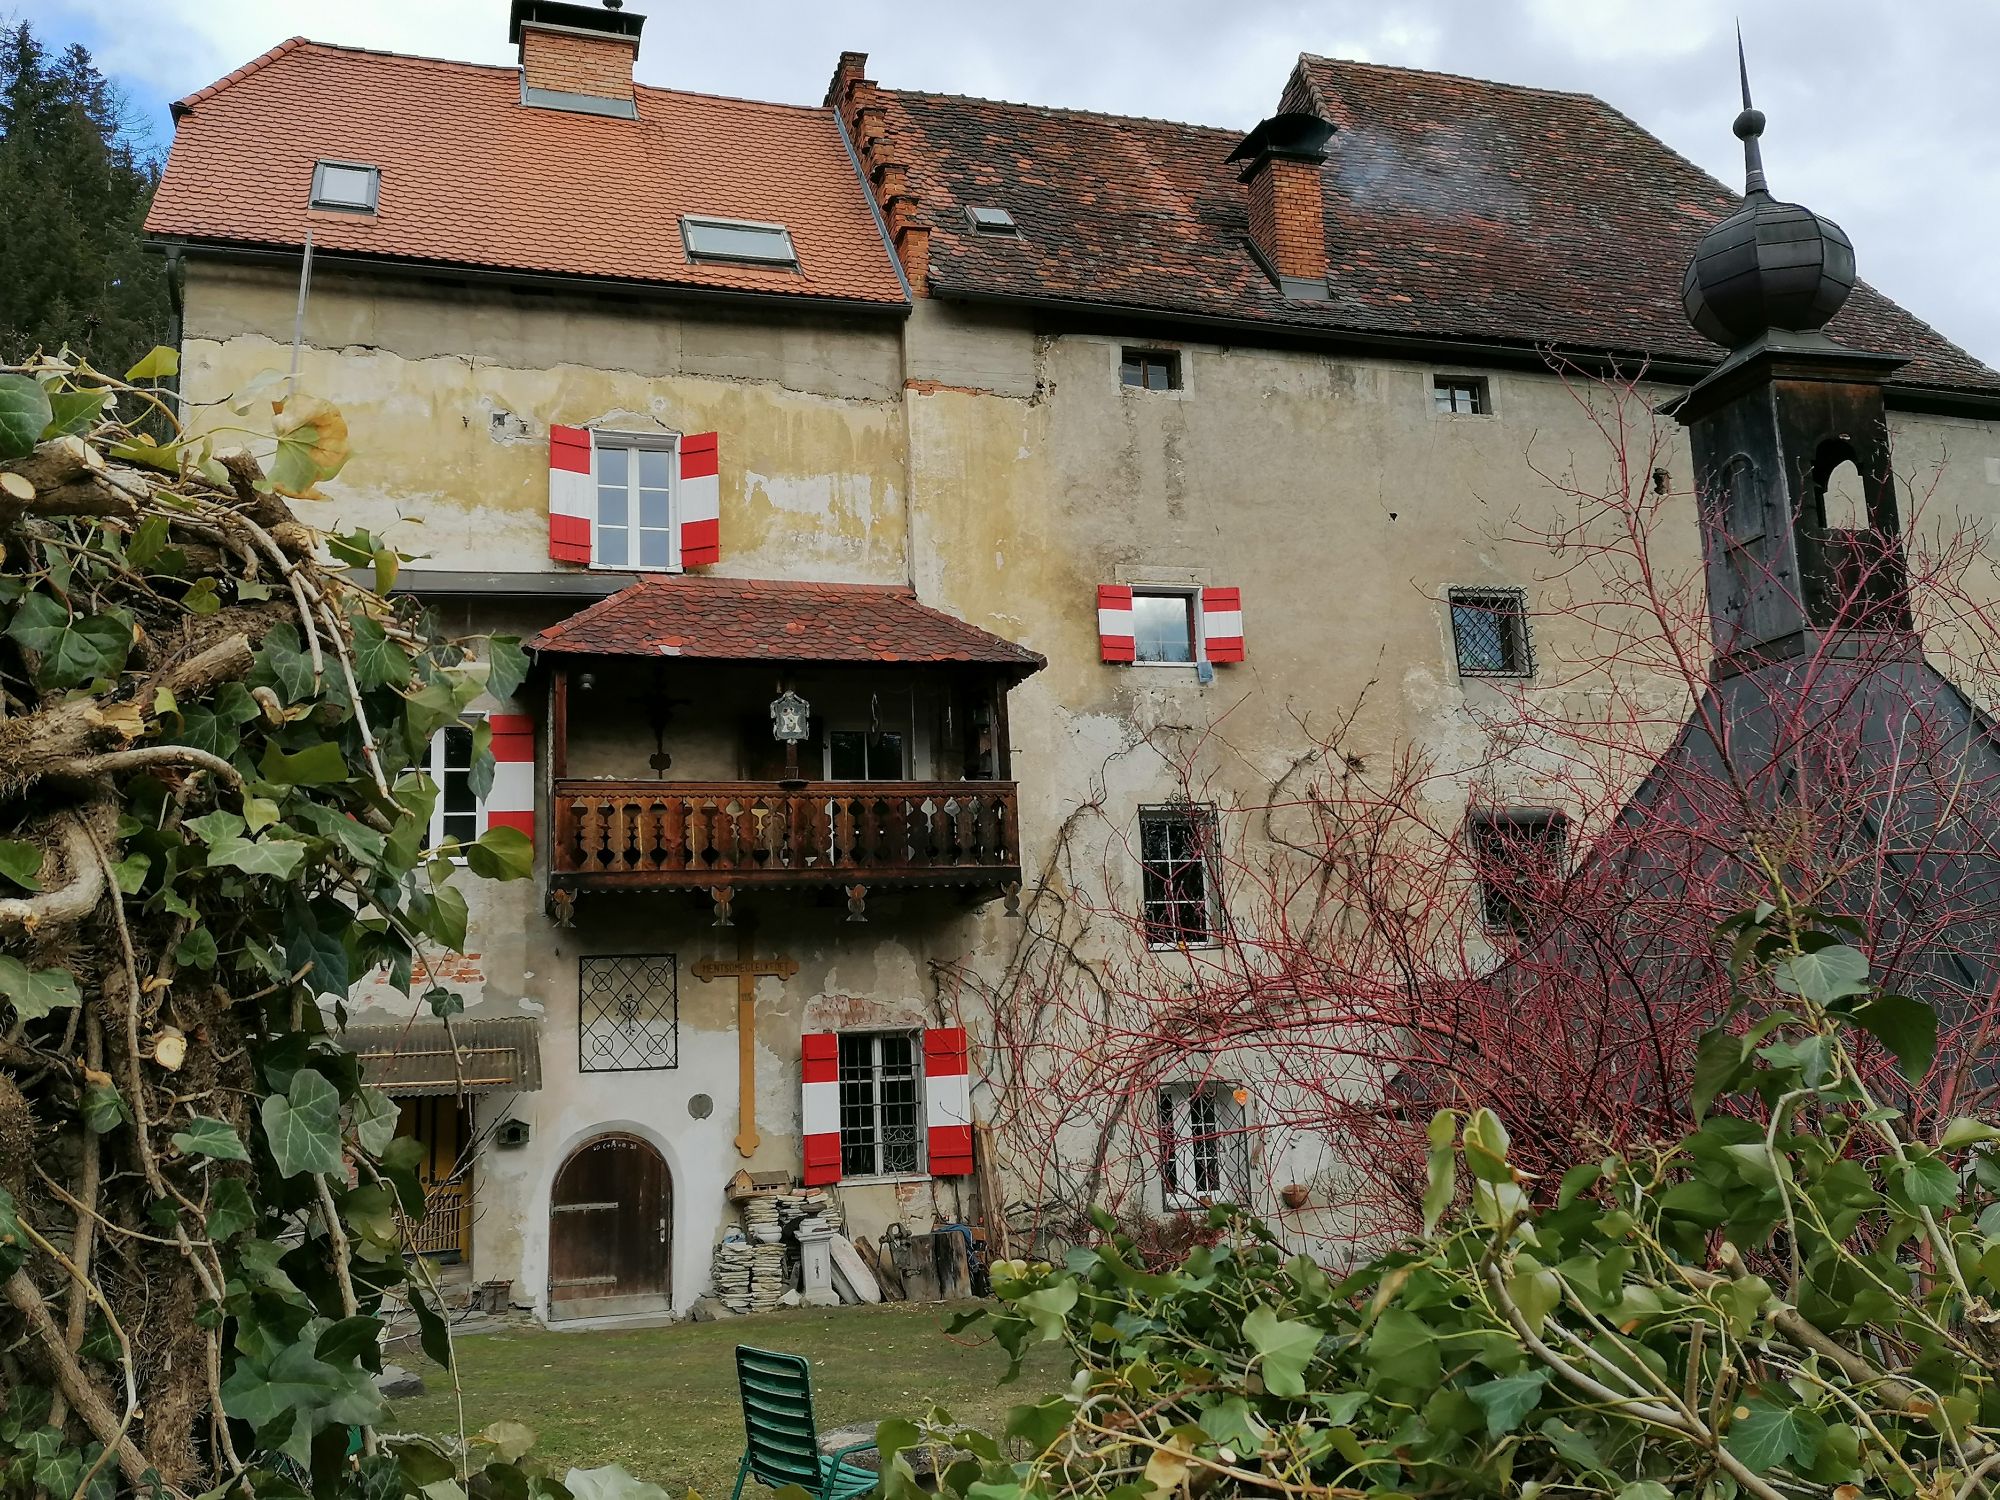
75,183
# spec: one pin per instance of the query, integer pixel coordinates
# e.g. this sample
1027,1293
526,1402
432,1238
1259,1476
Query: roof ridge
1492,83
289,44
1061,111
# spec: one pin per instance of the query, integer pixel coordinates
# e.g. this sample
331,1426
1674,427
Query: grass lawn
662,1401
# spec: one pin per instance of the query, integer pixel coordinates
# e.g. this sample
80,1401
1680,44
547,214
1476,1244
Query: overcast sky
1881,112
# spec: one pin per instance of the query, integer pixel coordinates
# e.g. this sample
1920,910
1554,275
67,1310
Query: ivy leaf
316,765
1403,1350
501,854
103,1106
1486,1146
431,1330
230,1211
276,857
24,413
1718,1063
35,992
210,1137
443,916
1509,1398
350,1339
160,362
196,950
1825,975
1765,1434
1441,1168
21,862
611,1482
284,665
1908,1028
1929,1183
71,650
506,666
1047,1308
444,1003
72,412
303,1125
375,1116
1285,1346
213,827
378,661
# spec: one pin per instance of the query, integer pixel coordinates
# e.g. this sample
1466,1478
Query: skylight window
348,185
987,219
739,241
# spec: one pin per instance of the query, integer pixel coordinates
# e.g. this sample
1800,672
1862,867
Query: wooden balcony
720,837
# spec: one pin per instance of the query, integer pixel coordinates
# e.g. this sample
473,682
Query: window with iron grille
881,1108
1177,872
628,1013
1519,857
1150,369
1460,395
1204,1150
1489,630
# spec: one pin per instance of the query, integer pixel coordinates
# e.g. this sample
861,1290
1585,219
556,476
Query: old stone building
922,512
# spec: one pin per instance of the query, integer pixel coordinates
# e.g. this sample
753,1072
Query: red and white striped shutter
1116,634
948,1101
1222,623
700,501
819,1106
511,803
569,494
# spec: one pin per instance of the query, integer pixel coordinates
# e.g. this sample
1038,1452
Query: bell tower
1790,437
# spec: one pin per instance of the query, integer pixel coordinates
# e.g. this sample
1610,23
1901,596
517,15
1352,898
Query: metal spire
1749,125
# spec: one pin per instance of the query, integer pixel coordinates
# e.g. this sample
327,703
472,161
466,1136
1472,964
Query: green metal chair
783,1445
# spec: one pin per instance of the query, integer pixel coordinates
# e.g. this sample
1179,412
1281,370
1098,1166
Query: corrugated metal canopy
475,1056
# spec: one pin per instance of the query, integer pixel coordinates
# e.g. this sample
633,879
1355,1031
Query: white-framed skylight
988,219
352,186
737,241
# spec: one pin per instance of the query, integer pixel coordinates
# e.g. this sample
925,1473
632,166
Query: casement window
1461,396
886,1104
1181,903
1520,858
1204,1147
742,242
461,813
648,502
865,755
351,187
1169,626
1150,369
1489,632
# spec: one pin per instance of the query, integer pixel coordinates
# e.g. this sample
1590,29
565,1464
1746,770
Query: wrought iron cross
746,969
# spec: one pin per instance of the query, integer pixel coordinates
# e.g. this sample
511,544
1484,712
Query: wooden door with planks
610,1230
441,1124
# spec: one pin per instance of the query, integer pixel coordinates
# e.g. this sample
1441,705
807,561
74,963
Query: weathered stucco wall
1005,469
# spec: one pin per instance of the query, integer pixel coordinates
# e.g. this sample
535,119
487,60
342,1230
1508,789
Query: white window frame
434,767
1194,814
1183,1162
874,1036
1452,381
316,199
632,444
1197,638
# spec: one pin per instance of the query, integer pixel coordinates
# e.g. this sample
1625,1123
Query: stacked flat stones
735,1266
762,1221
808,1203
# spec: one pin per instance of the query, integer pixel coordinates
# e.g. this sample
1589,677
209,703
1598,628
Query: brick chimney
1282,159
576,57
857,101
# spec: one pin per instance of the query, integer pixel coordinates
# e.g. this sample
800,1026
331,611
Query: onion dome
1769,265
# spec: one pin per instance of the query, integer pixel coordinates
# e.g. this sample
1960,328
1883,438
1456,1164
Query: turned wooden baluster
962,830
896,831
673,833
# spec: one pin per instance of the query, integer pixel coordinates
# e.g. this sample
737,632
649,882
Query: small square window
1151,369
987,219
738,241
1519,859
1489,628
1163,626
1461,395
1176,866
346,185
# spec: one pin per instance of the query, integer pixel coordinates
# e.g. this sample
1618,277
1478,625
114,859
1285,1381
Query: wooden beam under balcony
698,835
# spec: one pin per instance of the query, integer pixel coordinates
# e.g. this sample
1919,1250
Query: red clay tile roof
734,619
1455,209
471,176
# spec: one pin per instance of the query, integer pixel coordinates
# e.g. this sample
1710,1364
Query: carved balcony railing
721,836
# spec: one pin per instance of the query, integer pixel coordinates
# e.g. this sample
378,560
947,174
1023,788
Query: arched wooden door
610,1230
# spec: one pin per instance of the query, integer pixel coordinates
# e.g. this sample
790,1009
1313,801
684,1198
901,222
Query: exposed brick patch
600,66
